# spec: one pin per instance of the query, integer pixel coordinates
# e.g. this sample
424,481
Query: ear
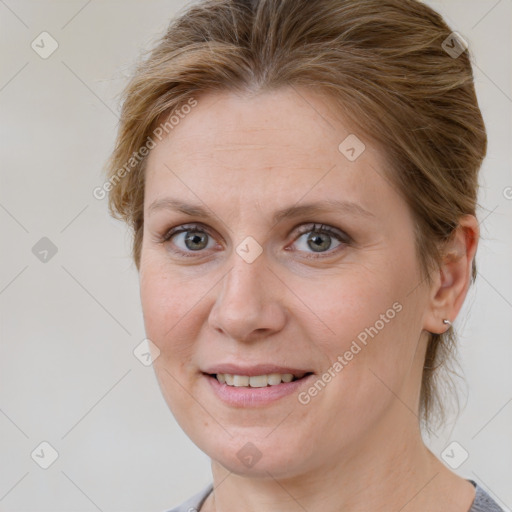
451,282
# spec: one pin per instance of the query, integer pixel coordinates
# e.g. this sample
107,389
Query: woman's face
244,289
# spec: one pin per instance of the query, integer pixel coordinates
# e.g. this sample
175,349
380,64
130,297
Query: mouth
257,381
257,385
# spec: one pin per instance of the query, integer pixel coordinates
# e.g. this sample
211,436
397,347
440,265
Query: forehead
280,121
281,144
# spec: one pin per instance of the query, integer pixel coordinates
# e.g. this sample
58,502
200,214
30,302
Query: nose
249,302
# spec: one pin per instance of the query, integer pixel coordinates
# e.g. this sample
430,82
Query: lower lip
254,397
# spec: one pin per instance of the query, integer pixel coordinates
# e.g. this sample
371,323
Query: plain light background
68,326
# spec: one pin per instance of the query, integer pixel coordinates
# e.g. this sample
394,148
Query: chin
253,456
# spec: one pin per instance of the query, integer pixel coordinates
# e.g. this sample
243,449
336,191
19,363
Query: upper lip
252,370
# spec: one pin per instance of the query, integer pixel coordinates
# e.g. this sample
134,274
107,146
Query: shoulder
483,502
194,503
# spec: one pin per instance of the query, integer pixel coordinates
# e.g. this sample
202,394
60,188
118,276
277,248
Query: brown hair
383,62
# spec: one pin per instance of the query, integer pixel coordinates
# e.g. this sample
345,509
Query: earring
447,322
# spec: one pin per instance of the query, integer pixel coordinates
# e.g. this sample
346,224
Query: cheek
354,305
370,319
169,305
170,308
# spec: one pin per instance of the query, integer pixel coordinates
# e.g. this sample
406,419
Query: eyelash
342,237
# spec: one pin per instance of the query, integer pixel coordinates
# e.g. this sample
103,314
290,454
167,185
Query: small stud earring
447,322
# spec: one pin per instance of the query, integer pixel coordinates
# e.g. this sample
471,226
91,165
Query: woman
301,178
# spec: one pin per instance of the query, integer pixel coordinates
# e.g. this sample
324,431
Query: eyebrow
315,208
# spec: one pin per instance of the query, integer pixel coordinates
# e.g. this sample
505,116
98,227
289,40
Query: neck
388,470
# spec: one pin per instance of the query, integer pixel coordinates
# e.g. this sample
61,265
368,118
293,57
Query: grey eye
317,240
195,241
191,239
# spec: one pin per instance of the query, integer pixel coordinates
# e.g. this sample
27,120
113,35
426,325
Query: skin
357,444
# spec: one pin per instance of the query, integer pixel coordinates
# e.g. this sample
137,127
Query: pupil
195,239
317,246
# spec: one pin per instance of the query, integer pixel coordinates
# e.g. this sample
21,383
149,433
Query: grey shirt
482,502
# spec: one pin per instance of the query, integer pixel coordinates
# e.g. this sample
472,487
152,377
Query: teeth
240,380
258,381
274,378
255,381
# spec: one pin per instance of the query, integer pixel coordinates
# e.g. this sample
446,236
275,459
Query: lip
253,370
247,397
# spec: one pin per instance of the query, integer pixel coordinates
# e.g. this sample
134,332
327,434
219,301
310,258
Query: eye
189,238
193,238
319,238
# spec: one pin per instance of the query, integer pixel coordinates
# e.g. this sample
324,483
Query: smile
251,391
256,381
